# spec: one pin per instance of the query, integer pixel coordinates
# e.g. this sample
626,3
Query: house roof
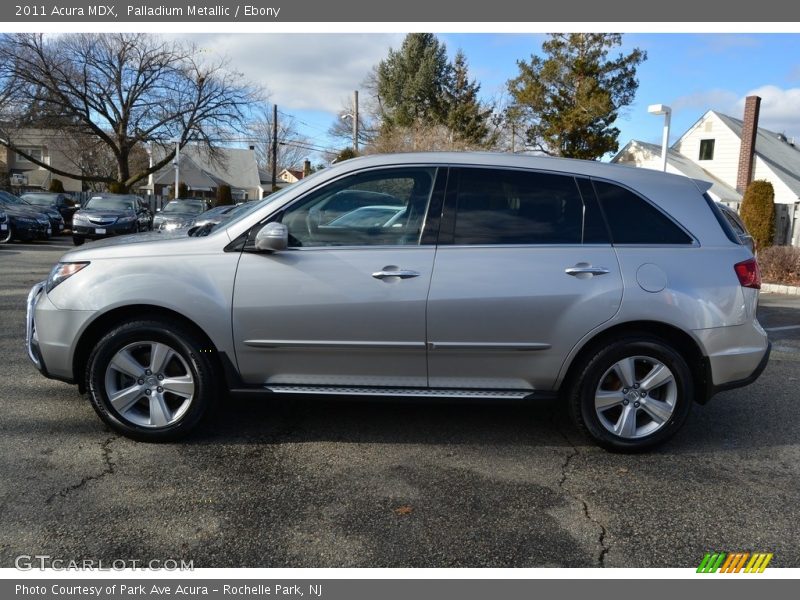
773,149
233,166
691,169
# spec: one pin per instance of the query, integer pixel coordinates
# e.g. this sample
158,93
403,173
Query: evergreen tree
411,83
466,117
572,96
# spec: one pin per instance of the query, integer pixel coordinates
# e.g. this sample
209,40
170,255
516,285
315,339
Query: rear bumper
735,356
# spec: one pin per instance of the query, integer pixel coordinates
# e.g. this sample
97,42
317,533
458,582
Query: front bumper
31,336
51,334
90,231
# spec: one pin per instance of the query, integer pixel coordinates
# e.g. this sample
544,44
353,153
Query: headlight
173,225
63,271
43,219
130,219
79,218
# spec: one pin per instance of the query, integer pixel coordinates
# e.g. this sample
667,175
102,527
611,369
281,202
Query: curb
774,288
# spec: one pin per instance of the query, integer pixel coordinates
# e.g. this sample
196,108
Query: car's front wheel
151,380
633,394
6,235
77,241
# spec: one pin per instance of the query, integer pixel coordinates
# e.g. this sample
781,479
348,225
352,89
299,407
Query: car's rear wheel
151,380
633,394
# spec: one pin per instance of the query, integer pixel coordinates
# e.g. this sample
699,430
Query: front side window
375,208
496,206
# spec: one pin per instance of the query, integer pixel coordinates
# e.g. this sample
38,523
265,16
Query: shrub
56,186
780,264
758,212
224,195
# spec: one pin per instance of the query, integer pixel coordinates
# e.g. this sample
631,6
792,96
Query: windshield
40,199
108,203
183,206
9,198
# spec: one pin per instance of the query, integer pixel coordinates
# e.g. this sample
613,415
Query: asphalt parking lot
307,483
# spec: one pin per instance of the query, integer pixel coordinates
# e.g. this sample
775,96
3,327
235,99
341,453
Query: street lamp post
663,109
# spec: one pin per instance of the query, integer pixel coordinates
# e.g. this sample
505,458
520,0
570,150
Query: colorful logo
734,562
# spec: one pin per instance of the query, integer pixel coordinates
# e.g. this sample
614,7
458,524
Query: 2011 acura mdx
622,291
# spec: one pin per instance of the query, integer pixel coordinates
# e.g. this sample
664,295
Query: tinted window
633,220
332,216
496,206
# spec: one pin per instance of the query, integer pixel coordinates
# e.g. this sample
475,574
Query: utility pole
177,166
274,145
355,121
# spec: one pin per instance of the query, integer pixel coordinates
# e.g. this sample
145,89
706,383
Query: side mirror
273,237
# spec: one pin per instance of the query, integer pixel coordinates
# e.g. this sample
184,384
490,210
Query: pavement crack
110,469
601,538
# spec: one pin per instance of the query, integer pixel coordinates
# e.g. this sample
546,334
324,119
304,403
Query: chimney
306,168
752,104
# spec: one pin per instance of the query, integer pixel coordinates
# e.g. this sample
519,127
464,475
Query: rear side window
496,206
633,220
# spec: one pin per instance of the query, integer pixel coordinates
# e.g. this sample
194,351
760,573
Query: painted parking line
783,328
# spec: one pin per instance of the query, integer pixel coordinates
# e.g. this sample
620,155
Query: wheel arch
678,339
106,321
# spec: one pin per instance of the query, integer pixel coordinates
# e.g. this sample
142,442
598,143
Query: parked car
60,202
370,216
218,214
24,223
738,226
179,213
621,291
106,215
56,222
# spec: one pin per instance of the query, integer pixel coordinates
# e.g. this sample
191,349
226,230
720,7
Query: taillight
748,273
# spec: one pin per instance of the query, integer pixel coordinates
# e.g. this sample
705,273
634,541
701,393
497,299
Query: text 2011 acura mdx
624,291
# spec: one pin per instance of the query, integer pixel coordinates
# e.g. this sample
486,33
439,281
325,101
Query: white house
731,152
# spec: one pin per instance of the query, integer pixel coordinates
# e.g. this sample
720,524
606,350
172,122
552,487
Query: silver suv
623,291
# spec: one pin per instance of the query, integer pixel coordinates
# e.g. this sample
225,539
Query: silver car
622,291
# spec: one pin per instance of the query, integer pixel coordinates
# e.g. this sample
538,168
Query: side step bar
400,392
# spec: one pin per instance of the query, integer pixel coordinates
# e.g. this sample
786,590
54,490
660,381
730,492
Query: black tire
77,241
194,358
597,366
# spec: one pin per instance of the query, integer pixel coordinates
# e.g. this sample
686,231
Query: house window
706,150
34,152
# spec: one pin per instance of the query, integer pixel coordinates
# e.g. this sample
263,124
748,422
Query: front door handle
392,271
584,269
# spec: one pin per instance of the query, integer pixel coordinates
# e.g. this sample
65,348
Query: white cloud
302,71
723,101
780,108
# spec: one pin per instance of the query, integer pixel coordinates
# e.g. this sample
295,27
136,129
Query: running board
400,392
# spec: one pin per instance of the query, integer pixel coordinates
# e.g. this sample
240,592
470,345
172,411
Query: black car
179,213
106,215
21,223
53,216
60,202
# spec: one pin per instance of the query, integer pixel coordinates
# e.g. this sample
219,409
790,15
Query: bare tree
112,94
292,146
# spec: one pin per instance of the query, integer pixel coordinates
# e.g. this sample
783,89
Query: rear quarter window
633,220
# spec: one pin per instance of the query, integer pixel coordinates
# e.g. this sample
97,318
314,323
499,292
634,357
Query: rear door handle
391,271
586,270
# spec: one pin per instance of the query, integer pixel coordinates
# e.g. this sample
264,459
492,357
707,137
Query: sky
312,76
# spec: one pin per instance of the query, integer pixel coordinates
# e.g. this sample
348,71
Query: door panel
319,317
506,317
